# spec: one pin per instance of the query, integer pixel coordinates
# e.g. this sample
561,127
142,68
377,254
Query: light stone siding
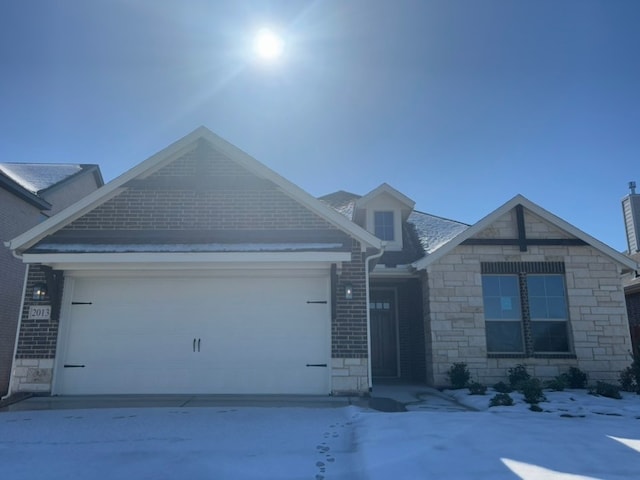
349,376
599,330
32,375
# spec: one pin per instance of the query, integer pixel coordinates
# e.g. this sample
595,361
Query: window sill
534,355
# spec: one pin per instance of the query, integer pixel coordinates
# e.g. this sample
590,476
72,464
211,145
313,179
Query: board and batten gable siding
455,324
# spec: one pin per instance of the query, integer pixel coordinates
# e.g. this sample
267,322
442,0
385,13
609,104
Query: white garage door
195,335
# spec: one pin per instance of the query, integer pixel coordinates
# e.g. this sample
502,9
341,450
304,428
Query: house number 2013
39,312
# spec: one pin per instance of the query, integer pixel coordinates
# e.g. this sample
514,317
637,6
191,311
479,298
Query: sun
268,45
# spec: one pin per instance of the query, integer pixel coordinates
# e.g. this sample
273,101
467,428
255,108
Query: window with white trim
383,225
526,312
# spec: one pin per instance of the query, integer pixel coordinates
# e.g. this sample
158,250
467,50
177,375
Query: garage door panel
252,335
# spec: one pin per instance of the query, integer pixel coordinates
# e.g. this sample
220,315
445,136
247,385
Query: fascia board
198,260
385,188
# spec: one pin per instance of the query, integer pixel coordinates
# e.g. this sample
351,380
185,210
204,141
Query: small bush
630,376
501,400
476,388
502,387
575,378
629,380
557,384
518,375
535,408
532,391
459,375
605,389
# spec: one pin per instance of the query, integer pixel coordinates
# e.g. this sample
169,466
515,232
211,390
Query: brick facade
208,196
201,191
455,325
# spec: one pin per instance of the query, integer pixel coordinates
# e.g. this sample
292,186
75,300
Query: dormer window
384,225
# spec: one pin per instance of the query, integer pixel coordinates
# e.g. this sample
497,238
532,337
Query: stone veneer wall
455,326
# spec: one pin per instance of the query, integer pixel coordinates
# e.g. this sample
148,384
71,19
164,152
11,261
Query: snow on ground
602,441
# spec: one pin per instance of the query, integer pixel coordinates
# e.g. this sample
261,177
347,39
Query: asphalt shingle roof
432,231
36,177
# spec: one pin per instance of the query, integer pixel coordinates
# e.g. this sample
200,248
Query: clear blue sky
458,104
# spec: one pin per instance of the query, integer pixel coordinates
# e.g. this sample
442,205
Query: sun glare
268,45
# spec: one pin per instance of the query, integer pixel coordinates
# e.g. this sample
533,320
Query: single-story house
203,271
30,193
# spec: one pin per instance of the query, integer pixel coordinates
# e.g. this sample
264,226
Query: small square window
383,225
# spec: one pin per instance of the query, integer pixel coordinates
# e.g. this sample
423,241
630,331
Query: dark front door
384,333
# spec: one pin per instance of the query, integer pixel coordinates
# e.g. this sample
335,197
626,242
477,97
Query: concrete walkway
413,398
384,397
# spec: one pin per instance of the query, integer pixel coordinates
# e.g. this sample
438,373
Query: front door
384,333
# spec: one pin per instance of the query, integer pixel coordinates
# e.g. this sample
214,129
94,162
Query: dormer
382,212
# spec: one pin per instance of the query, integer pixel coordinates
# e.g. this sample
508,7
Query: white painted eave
179,260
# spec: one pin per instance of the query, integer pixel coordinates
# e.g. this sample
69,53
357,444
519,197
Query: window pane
538,307
555,285
501,297
535,285
550,336
557,307
383,225
491,285
546,296
504,337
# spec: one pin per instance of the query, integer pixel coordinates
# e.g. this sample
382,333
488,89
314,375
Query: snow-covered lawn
328,443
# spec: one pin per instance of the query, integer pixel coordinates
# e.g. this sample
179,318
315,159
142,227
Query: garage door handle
194,344
73,366
198,344
316,364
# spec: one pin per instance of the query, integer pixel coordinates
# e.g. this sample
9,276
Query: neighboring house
202,271
30,193
631,216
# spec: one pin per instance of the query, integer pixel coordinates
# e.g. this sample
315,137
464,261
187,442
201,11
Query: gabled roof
30,181
537,210
432,231
389,190
166,156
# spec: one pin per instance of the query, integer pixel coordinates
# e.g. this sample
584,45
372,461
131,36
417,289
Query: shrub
605,389
502,387
459,375
557,384
535,408
629,380
501,400
575,378
476,388
518,375
630,376
532,391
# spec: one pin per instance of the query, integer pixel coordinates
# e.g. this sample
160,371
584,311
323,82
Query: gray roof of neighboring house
432,231
30,180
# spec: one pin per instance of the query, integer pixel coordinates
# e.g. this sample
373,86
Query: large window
383,225
525,308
